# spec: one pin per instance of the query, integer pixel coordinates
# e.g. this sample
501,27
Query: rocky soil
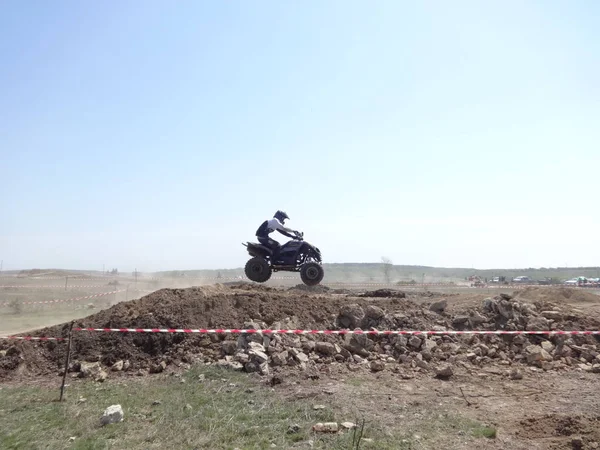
99,355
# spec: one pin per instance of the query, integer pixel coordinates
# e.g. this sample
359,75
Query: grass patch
486,432
213,408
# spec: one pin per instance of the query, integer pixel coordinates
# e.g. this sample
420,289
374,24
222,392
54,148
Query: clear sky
159,135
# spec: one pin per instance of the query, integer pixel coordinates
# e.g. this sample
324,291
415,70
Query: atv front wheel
258,270
312,273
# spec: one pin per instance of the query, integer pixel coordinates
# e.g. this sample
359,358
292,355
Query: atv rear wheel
312,273
257,269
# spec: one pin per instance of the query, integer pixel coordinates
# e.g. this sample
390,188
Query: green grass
486,432
213,409
226,410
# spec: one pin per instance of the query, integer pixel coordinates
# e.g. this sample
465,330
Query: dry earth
538,392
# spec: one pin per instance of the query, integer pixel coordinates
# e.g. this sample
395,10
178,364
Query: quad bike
296,255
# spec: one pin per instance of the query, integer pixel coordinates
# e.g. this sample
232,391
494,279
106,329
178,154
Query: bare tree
387,268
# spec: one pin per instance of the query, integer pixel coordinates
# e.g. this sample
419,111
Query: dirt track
256,306
500,375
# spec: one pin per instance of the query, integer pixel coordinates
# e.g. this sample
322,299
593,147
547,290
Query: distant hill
374,272
359,272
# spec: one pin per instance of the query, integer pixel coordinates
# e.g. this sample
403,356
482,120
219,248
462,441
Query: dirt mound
247,286
557,295
383,293
584,429
215,306
253,306
319,289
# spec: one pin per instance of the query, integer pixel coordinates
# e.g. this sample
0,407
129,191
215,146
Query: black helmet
281,216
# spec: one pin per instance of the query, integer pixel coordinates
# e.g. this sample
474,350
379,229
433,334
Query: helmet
281,216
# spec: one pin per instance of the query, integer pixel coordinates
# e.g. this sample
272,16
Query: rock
516,374
118,366
351,316
377,366
241,357
506,296
158,368
439,306
308,346
112,414
476,319
263,368
537,324
552,315
358,359
325,348
548,346
444,372
426,355
156,403
596,368
359,343
415,342
348,425
327,427
489,305
256,346
449,347
429,344
422,364
458,321
258,356
293,429
506,309
374,312
536,354
229,347
93,371
188,407
86,370
577,443
302,358
3,353
279,359
520,339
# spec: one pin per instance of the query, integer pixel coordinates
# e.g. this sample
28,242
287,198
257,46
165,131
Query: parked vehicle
522,279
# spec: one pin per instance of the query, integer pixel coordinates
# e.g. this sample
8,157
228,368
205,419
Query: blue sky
159,135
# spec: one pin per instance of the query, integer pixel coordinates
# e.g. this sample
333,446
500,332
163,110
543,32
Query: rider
270,225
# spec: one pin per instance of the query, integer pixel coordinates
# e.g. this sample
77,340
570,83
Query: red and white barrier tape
332,332
65,300
33,338
20,286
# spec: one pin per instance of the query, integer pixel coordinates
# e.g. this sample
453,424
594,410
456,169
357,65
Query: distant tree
387,268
